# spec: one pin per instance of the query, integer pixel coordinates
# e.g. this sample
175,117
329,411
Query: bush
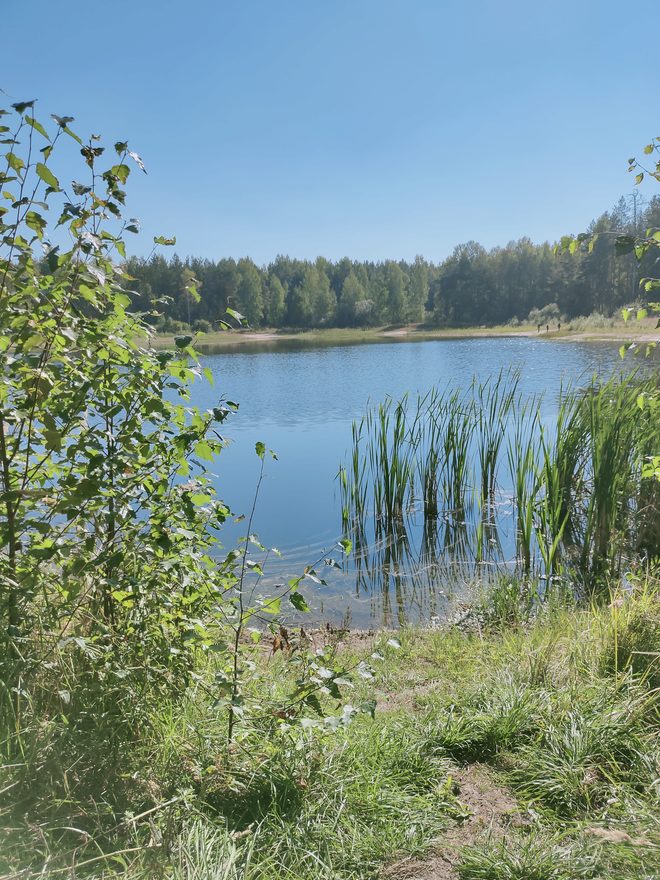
105,575
594,321
549,314
165,324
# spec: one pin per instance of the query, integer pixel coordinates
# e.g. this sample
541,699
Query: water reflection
520,488
302,401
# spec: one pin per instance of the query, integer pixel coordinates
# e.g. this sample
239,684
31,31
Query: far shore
641,332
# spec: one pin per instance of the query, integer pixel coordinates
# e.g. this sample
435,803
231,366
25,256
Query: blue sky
375,129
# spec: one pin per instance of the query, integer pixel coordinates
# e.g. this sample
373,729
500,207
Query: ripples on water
302,401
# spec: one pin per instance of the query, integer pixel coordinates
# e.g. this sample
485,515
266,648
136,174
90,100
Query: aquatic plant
569,495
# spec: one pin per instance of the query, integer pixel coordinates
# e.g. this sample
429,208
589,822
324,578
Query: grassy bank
522,744
582,329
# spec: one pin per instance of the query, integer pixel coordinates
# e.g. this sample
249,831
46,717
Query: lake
301,400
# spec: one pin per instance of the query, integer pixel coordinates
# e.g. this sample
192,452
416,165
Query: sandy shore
641,332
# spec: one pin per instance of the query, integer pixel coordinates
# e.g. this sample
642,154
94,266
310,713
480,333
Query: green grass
583,328
553,700
527,857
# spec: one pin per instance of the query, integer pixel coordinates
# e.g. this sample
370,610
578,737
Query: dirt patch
409,696
400,331
633,335
492,811
257,337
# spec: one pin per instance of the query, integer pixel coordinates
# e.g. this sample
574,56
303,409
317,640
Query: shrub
202,326
165,324
594,321
549,314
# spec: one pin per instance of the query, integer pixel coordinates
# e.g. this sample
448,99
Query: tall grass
567,495
564,710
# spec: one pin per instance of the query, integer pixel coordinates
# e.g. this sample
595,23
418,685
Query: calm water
301,403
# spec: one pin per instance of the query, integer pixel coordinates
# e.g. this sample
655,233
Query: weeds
571,730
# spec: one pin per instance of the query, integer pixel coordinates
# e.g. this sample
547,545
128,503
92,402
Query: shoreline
642,332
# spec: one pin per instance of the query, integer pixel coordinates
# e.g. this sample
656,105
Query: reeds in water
569,493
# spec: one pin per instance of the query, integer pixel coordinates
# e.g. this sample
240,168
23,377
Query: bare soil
492,812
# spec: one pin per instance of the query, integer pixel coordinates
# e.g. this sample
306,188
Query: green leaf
121,172
260,448
72,134
47,176
273,606
298,602
37,126
15,162
200,498
220,413
235,315
168,242
204,451
182,341
368,708
346,545
36,222
53,439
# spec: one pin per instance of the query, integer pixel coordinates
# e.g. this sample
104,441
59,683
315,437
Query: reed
522,469
569,494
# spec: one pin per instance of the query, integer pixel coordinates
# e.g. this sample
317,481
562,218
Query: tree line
473,286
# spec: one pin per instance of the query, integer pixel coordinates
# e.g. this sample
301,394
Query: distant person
547,328
538,328
558,325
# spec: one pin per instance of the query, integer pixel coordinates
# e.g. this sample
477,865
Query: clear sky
375,129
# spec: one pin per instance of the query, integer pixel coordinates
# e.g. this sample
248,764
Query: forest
472,287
